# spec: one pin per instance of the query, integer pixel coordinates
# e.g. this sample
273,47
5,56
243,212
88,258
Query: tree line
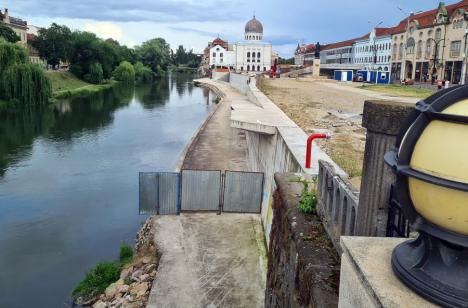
89,58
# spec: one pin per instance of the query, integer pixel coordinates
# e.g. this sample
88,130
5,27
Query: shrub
143,73
125,72
97,280
126,254
95,73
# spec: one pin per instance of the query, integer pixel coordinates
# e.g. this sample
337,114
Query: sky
193,23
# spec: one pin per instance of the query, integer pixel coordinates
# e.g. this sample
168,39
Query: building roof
309,48
428,18
343,43
254,26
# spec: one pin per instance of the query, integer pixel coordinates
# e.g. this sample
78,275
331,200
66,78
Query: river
69,181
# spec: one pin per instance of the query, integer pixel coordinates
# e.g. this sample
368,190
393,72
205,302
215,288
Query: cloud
105,29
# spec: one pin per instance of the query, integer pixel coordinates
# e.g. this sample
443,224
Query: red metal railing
309,146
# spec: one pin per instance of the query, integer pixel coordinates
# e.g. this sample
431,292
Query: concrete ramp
209,260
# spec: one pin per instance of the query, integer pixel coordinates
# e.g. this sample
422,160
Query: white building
251,55
373,51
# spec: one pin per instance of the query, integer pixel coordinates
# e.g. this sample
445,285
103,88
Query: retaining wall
239,82
223,76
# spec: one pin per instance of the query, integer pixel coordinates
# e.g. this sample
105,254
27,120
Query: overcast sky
193,23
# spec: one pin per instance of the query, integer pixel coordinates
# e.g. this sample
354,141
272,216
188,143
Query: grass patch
399,90
65,84
351,166
102,275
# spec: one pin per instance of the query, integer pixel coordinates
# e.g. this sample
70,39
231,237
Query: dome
253,26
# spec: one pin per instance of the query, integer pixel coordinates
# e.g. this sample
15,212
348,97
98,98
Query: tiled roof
306,49
220,42
426,19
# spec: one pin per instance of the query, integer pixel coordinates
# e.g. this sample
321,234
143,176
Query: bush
95,74
125,72
126,254
97,280
143,73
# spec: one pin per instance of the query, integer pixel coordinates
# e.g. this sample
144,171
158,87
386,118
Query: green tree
95,73
54,43
21,81
143,73
125,72
155,54
8,34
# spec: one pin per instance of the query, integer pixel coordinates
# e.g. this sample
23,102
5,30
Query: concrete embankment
274,142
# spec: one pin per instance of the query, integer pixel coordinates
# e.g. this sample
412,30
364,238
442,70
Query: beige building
431,45
18,25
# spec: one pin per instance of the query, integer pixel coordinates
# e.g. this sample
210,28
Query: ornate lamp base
435,269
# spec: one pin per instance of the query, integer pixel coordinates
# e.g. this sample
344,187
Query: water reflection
69,180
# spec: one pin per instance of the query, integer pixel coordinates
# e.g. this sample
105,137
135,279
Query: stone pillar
316,68
383,120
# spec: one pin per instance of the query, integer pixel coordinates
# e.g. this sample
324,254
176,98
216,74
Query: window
394,50
455,48
410,46
258,68
438,34
217,49
214,54
400,51
258,54
248,68
221,55
248,54
428,48
419,49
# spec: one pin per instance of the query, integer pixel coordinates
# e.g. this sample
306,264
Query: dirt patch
313,105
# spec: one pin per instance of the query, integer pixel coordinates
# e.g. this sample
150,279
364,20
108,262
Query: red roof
219,42
306,49
31,37
427,19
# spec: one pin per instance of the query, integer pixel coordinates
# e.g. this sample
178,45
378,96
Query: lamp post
432,187
436,52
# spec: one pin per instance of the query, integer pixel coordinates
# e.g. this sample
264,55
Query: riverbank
65,84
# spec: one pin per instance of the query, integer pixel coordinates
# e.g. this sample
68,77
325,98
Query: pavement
209,260
219,146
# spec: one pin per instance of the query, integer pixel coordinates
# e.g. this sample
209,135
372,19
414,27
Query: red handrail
309,146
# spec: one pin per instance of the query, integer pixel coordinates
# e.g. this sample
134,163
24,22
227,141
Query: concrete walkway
209,260
218,146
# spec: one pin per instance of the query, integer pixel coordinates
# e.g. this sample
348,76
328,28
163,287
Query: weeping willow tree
125,72
21,81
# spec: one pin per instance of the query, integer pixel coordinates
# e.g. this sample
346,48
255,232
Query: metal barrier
159,193
243,192
200,190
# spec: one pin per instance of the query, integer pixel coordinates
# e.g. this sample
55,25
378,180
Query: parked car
358,77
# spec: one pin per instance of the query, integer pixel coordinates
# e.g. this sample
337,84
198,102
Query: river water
69,181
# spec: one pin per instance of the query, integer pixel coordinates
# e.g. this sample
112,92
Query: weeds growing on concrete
102,275
308,202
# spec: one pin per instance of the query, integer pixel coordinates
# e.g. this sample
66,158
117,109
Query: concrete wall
223,76
303,270
239,82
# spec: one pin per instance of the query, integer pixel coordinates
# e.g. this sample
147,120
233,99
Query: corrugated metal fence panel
148,193
169,188
243,192
200,190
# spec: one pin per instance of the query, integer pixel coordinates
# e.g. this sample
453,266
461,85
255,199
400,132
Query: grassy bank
65,84
398,90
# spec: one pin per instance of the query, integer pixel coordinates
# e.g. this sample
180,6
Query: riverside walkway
210,260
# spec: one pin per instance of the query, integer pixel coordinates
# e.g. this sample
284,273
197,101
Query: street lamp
436,51
432,188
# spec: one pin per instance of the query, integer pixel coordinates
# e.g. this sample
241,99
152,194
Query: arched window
264,68
248,68
248,54
394,50
258,54
242,68
258,68
253,68
438,34
410,46
400,51
419,48
253,54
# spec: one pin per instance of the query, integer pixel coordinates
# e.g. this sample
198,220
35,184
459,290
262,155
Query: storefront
453,71
396,72
422,72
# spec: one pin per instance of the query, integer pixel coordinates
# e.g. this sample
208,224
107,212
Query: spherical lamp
431,165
